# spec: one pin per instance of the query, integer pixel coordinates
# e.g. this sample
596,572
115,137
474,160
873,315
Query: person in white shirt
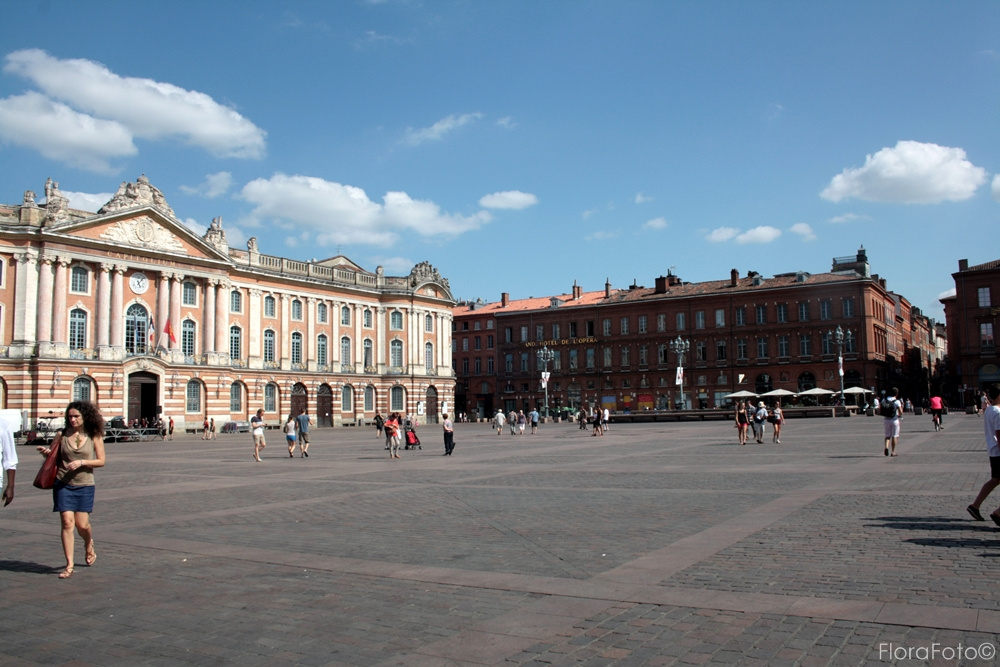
890,422
8,462
991,429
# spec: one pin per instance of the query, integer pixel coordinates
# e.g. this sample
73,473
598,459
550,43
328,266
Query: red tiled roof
642,293
988,266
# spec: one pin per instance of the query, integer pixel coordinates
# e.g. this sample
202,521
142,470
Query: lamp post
839,338
680,347
545,355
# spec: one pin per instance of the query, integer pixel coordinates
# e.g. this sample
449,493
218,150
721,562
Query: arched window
296,309
236,398
296,348
193,396
136,329
396,354
270,306
396,320
345,351
369,356
345,316
321,313
369,398
806,381
347,399
81,389
268,345
235,343
397,399
429,356
368,318
270,397
428,323
77,329
187,337
235,301
321,349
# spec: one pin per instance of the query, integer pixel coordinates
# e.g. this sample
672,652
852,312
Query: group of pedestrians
746,416
517,421
295,428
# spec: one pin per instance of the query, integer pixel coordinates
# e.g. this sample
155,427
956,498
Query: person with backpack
891,410
759,417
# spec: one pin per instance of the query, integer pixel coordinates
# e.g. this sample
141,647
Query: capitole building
614,348
131,309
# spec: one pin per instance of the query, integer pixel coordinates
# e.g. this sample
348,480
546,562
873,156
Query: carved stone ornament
216,236
424,272
143,232
133,195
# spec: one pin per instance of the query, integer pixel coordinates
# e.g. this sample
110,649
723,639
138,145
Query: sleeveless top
82,476
741,417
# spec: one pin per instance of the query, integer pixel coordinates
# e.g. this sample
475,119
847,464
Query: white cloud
214,185
511,199
995,188
338,213
847,217
722,234
86,201
655,223
910,173
395,266
438,130
762,234
59,133
148,109
803,230
507,122
641,198
947,293
600,236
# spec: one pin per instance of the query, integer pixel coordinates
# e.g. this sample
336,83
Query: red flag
169,330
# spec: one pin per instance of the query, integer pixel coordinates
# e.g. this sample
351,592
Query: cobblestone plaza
657,544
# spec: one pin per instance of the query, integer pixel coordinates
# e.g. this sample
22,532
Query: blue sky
521,146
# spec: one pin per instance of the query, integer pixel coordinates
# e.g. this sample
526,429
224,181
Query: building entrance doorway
324,406
143,395
299,400
432,406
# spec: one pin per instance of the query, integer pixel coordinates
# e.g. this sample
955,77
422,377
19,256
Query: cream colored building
88,303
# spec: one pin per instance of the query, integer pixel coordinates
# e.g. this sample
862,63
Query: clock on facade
139,283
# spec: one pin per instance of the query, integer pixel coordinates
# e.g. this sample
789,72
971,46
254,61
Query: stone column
208,317
381,327
255,327
334,348
310,342
221,321
162,308
285,332
117,309
61,288
25,304
176,281
358,338
44,326
103,304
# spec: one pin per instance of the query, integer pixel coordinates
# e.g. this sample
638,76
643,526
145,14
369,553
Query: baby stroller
412,441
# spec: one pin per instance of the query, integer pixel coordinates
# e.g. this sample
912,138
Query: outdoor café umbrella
816,391
743,393
857,390
778,392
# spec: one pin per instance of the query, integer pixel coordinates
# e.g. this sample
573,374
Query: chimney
504,299
577,291
661,285
734,277
607,288
963,265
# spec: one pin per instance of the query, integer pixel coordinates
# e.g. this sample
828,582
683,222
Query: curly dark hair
93,422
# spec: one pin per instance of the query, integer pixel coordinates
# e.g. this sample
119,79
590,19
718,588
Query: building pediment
145,229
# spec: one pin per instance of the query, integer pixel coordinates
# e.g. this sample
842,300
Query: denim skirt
72,498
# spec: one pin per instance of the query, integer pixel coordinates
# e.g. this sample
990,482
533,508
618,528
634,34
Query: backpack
888,408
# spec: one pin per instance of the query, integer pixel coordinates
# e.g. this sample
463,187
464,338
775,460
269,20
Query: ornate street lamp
838,338
545,356
680,347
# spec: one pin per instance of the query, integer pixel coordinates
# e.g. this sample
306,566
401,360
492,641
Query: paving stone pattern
658,544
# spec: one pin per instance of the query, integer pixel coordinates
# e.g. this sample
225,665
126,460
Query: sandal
66,573
91,555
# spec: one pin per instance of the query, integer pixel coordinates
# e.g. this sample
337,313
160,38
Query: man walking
302,426
892,410
759,417
449,435
8,461
991,429
257,430
533,418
